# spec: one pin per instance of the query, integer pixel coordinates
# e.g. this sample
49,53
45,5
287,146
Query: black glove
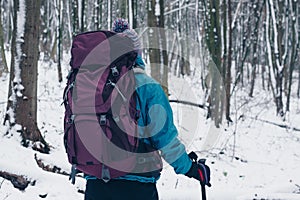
199,171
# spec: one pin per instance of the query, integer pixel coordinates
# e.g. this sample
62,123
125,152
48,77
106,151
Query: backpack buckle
71,119
102,120
115,71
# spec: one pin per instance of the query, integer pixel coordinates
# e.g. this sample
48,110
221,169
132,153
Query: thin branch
190,6
2,183
188,103
236,14
276,124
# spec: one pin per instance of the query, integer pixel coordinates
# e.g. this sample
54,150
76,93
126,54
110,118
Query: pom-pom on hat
120,25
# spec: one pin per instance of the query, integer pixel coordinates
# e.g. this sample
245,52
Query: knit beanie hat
135,39
119,25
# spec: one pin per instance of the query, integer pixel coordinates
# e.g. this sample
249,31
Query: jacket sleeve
160,126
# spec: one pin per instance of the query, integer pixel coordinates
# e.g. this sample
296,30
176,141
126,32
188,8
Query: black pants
120,190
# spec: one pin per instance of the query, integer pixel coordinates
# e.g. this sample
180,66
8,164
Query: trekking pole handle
203,190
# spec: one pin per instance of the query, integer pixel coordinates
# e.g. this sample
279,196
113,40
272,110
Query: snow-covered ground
249,159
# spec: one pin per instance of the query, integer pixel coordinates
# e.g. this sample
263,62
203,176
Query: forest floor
255,157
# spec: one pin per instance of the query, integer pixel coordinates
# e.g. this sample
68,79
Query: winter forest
230,69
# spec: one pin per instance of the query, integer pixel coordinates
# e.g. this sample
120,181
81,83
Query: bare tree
213,40
75,17
98,15
59,32
22,104
157,42
294,50
277,25
133,13
227,59
255,36
3,57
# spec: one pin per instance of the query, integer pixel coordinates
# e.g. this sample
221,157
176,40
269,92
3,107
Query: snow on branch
236,14
190,6
48,167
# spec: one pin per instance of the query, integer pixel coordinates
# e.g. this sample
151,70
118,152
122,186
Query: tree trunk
123,7
157,44
46,30
3,57
276,52
214,45
294,53
9,119
163,48
75,17
59,42
82,19
23,101
109,14
255,44
298,90
228,69
153,42
134,13
98,17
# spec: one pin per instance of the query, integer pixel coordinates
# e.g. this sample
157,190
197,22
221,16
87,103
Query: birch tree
277,50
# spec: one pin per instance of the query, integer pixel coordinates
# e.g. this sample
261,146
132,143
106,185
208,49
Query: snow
249,159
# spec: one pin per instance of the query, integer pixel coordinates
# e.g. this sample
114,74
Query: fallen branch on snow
49,168
273,123
20,182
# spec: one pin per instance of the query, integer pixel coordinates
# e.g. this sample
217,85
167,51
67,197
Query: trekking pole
203,191
194,157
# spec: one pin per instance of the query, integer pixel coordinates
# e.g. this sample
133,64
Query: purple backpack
100,123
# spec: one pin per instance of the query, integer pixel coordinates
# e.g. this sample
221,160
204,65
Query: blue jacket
156,114
160,121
